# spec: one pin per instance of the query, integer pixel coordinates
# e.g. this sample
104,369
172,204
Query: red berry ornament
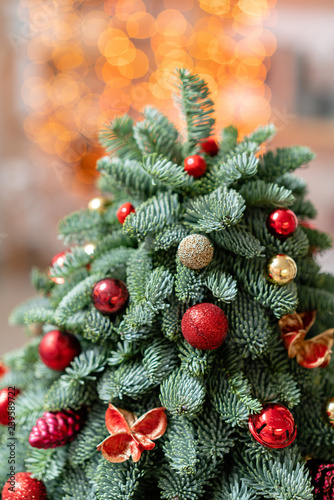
209,146
22,486
56,429
109,296
58,349
282,222
274,427
123,211
7,397
204,326
195,165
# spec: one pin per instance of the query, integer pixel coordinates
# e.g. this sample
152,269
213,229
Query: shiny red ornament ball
7,405
22,486
282,222
210,146
58,349
109,295
204,326
195,165
59,260
123,211
274,427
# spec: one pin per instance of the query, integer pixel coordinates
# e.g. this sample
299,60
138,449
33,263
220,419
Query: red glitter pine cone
56,429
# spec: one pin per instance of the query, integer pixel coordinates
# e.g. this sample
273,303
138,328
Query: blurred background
69,66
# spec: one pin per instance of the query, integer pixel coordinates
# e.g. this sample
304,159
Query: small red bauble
274,427
3,369
282,222
22,486
58,349
56,429
204,326
59,260
109,296
7,397
195,165
123,211
209,146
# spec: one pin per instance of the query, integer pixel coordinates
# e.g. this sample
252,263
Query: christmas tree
186,329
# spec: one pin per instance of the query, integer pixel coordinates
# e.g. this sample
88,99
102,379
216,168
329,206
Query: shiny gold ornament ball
89,248
281,269
329,411
195,251
99,204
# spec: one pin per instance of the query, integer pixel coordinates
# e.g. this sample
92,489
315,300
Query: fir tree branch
182,394
215,211
129,175
156,134
193,99
262,194
118,138
153,215
167,173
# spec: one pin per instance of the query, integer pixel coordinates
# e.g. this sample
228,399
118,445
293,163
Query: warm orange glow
93,60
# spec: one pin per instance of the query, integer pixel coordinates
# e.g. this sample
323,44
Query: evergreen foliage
138,359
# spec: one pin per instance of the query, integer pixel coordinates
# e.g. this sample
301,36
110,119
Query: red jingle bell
282,222
204,326
22,486
109,296
7,398
195,166
59,260
274,427
123,211
210,146
58,349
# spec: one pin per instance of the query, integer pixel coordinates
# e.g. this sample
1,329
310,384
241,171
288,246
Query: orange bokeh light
92,60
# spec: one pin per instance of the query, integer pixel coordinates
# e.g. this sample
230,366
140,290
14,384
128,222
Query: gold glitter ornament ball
329,411
195,251
281,269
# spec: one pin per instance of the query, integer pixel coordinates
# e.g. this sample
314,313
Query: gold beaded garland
281,269
195,251
99,204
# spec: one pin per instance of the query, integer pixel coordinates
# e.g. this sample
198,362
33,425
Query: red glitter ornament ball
123,211
204,326
58,349
195,165
109,296
59,260
22,486
282,222
7,397
274,427
210,146
56,429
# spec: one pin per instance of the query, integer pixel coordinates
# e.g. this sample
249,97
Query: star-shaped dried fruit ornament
130,436
311,353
